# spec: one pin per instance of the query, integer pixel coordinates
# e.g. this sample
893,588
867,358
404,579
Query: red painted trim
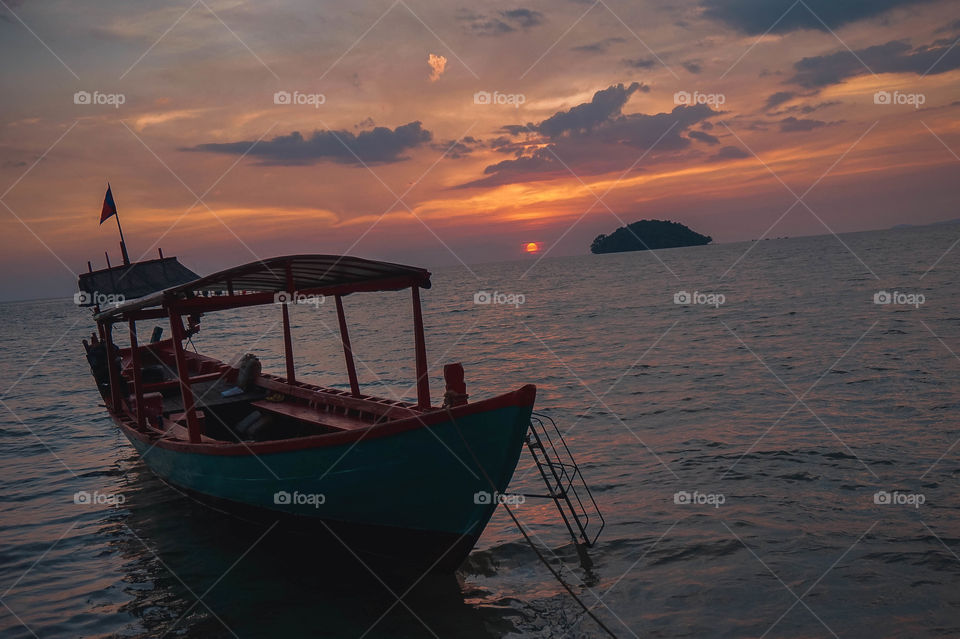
347,350
223,302
341,399
183,374
423,379
137,374
196,379
523,396
288,344
146,314
113,370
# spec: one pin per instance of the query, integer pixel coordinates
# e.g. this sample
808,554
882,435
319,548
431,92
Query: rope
529,541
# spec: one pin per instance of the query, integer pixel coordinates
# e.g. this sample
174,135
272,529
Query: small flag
109,207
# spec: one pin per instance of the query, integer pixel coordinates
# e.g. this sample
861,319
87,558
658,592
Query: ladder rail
563,478
553,495
560,473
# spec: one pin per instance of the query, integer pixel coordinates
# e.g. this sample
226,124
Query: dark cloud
895,56
516,129
793,125
693,66
583,117
457,149
758,16
778,98
640,63
601,46
593,138
730,153
806,109
810,108
704,137
6,12
375,146
525,18
953,26
508,146
747,123
500,23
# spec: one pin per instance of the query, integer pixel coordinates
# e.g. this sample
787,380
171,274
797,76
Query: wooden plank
176,431
311,415
196,379
371,405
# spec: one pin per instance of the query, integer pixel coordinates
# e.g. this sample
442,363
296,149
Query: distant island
648,234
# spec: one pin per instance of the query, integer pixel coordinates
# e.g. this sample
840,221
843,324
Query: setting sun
531,247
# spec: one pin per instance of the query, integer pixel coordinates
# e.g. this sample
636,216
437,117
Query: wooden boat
409,481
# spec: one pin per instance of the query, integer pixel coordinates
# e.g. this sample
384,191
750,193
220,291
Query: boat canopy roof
133,280
259,282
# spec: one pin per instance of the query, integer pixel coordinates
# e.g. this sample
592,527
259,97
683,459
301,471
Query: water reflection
270,583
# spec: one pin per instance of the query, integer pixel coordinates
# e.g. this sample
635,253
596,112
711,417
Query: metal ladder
563,479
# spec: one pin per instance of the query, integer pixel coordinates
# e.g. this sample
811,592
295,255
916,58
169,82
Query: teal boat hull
421,494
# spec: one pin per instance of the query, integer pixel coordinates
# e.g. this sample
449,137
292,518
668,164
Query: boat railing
383,409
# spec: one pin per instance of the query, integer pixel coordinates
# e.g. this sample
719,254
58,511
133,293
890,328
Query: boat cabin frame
281,281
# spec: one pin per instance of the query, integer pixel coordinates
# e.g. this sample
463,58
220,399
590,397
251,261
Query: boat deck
208,395
311,415
292,410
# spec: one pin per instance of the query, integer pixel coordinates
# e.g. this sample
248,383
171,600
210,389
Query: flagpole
116,214
123,244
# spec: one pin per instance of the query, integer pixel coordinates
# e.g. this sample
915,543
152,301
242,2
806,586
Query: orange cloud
438,64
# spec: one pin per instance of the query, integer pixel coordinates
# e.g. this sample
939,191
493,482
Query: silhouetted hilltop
648,234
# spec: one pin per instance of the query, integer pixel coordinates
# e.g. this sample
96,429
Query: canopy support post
137,374
288,345
183,374
423,381
347,350
112,370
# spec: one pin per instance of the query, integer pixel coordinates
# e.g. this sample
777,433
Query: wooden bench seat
177,431
304,413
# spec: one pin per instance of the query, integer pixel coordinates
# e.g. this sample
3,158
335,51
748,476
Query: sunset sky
435,133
